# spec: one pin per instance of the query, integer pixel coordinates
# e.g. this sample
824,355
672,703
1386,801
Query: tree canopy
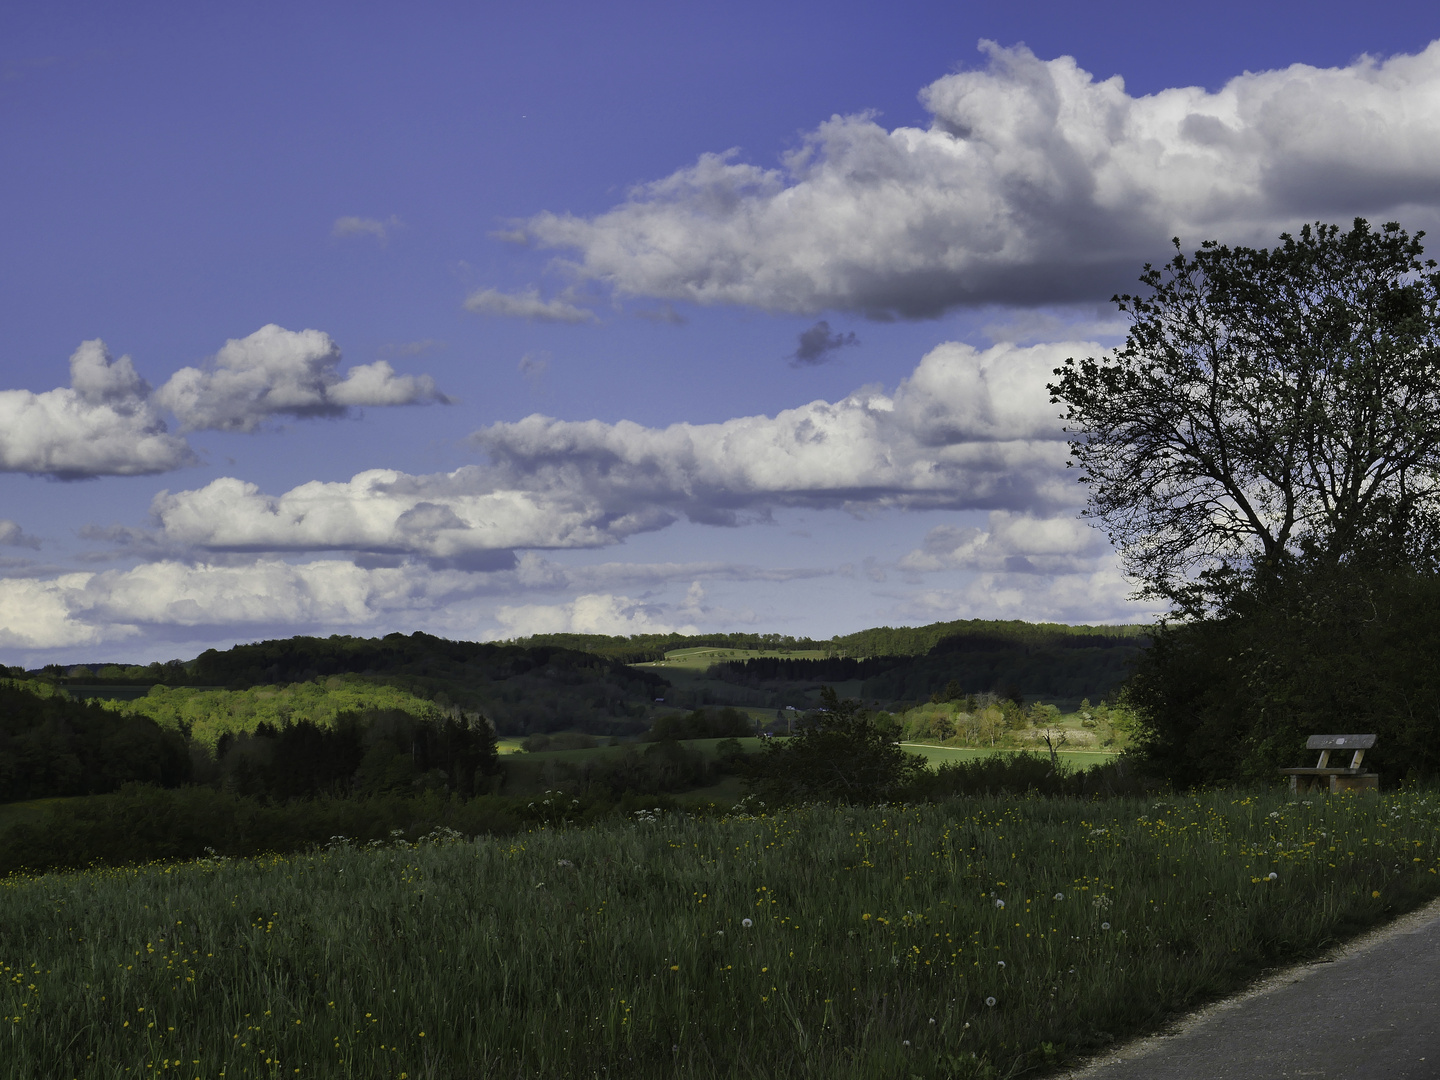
839,755
1269,408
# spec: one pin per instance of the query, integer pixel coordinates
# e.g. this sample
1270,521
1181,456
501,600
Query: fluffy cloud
92,608
1016,543
527,305
104,423
1032,183
270,595
107,422
966,430
363,226
453,516
597,613
276,371
1098,596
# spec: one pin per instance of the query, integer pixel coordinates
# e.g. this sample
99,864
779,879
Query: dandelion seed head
990,1001
746,923
1059,896
1273,876
999,903
1104,926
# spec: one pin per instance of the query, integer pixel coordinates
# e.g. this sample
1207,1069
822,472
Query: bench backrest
1327,743
1340,742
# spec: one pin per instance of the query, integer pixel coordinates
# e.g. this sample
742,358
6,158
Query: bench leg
1349,784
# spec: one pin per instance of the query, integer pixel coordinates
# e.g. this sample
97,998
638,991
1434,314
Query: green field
980,938
1069,759
700,659
527,773
686,668
29,810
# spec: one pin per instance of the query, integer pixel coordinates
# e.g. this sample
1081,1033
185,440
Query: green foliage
51,745
375,752
1043,661
622,949
702,724
1268,406
1235,696
978,635
838,755
562,740
207,715
646,648
140,823
1023,774
601,778
520,690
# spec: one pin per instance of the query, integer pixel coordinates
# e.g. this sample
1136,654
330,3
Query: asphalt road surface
1370,1009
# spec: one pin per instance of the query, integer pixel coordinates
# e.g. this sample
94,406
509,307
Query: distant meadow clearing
975,938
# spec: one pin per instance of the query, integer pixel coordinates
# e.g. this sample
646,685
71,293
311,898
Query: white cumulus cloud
1032,183
527,305
275,371
448,516
1015,542
92,608
103,424
968,429
1101,595
595,613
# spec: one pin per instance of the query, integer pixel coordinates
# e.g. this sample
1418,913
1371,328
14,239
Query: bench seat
1325,777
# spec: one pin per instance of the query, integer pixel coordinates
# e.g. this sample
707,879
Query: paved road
1370,1010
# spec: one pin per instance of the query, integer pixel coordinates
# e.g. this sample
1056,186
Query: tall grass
969,939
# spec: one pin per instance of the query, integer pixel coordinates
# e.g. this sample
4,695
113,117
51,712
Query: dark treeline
761,670
53,746
1059,666
702,724
878,641
167,673
1035,661
646,648
520,689
375,752
1234,697
419,656
920,640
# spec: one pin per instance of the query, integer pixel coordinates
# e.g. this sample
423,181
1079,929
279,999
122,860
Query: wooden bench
1322,777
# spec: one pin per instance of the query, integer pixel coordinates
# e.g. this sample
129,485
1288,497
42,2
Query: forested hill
877,641
644,648
520,689
982,635
1012,659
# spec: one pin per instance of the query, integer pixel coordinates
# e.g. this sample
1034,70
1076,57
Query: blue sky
489,320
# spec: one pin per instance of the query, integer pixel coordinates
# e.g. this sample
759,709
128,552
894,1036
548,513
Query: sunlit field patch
968,939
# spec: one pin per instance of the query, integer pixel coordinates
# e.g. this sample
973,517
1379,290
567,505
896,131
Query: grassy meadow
975,938
1070,760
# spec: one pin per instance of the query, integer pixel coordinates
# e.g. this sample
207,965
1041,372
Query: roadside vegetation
980,938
